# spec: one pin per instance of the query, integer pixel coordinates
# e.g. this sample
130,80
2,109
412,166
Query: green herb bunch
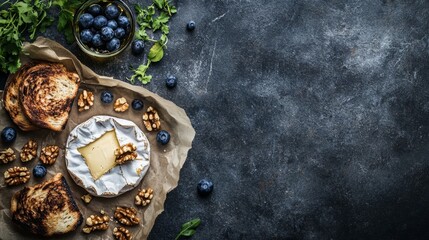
25,18
153,18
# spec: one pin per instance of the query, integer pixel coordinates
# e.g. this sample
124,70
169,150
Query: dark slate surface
312,118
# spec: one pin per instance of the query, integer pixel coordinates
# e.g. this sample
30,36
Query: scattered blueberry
190,25
120,33
171,81
137,104
86,36
112,24
113,44
100,22
205,187
107,34
8,135
95,10
112,11
86,20
137,47
123,22
96,41
39,171
163,137
106,97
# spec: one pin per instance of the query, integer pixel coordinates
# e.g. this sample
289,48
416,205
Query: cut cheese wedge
99,155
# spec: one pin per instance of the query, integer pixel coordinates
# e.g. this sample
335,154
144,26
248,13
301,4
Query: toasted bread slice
47,208
12,103
46,93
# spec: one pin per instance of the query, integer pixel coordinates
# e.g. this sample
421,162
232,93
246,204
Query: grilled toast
47,208
12,103
46,93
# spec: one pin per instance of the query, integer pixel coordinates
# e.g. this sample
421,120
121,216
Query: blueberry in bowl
104,28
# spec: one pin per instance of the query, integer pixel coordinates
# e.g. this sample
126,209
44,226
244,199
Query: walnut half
95,222
121,105
122,233
49,154
85,100
125,153
29,151
151,119
16,175
7,155
126,216
143,197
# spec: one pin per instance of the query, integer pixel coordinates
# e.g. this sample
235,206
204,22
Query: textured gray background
312,117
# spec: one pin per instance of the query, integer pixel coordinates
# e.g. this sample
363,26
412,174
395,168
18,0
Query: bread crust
46,93
47,208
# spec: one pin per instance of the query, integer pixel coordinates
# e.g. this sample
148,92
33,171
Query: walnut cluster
85,100
125,153
95,222
7,155
29,151
122,233
143,197
126,216
121,105
49,154
151,119
16,175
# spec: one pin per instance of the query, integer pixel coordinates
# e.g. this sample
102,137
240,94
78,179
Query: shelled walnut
126,216
29,151
125,153
85,100
49,154
143,197
151,119
86,198
7,155
122,233
95,222
121,105
16,175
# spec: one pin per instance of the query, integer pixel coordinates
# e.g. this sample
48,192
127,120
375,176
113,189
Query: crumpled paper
165,163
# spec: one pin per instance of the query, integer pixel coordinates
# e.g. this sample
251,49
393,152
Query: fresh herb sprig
188,229
152,18
27,17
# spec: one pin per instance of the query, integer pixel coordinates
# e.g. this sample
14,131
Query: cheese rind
99,155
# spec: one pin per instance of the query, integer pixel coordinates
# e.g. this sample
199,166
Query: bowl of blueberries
104,28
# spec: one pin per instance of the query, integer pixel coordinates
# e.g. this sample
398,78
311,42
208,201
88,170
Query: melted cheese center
99,155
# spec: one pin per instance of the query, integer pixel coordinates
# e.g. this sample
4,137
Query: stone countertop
312,117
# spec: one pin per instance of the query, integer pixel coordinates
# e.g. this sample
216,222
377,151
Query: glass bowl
101,53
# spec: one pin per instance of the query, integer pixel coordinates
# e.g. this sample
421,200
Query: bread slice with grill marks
12,103
47,92
47,208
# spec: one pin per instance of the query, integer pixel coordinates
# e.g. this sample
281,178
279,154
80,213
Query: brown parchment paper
165,163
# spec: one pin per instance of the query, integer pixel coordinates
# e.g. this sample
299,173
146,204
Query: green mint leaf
159,3
156,52
165,29
188,232
188,228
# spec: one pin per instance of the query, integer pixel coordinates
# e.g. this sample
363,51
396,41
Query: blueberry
86,36
171,81
112,24
96,41
86,20
137,47
107,34
123,22
137,104
111,11
95,10
100,22
205,187
113,45
120,33
190,26
39,171
106,97
8,135
163,137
